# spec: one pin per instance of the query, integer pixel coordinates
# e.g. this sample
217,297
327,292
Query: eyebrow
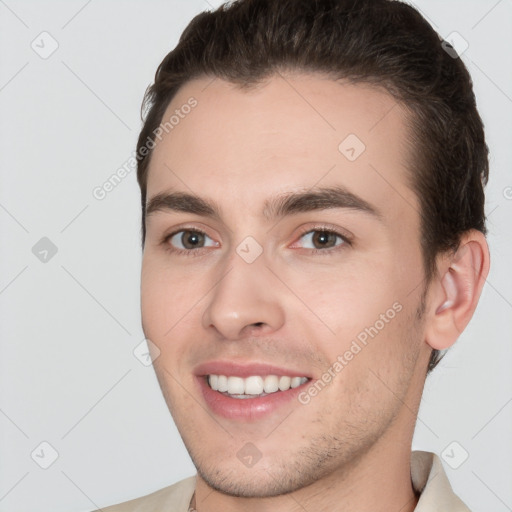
276,207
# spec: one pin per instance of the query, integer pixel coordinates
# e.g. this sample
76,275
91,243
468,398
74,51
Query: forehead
292,132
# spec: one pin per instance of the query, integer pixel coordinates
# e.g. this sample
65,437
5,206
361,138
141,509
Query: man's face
327,285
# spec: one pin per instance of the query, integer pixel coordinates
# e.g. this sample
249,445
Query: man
312,180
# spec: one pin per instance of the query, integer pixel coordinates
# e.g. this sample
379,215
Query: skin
349,447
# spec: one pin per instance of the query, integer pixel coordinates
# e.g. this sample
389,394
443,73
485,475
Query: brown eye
322,239
188,239
192,239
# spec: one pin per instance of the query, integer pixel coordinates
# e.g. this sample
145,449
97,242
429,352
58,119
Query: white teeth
284,383
295,382
254,385
222,383
214,382
236,386
271,384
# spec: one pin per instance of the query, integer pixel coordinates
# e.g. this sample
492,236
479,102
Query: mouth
254,386
248,392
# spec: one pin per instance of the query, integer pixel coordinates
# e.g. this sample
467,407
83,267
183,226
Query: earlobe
456,290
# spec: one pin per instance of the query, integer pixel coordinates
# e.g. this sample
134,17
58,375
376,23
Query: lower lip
248,409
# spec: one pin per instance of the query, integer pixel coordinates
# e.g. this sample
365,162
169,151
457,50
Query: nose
245,301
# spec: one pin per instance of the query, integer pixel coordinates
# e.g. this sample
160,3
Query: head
340,118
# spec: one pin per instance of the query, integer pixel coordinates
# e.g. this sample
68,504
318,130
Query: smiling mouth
254,386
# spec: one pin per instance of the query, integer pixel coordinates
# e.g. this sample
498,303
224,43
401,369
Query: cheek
351,297
368,358
369,313
166,296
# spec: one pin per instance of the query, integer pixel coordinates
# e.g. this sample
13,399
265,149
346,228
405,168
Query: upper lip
238,369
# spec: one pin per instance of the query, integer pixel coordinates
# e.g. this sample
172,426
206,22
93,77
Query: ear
455,291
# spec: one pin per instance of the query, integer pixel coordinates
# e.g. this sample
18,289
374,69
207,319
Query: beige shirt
427,475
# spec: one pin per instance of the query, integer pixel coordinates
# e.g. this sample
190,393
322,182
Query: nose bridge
243,295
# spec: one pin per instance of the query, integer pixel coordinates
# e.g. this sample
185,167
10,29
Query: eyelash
326,229
197,252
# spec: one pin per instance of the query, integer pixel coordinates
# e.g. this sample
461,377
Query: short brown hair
386,43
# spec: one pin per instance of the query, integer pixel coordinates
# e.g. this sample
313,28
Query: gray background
70,324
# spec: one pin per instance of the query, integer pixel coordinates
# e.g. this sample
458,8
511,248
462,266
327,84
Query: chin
250,483
271,476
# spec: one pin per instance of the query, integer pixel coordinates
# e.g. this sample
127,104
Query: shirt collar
429,478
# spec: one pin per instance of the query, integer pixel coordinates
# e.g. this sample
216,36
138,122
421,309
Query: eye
322,239
186,240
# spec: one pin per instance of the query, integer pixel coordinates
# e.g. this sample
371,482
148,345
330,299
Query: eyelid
165,241
347,237
177,229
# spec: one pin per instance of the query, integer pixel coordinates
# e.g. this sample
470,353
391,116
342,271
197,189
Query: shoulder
177,496
430,479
